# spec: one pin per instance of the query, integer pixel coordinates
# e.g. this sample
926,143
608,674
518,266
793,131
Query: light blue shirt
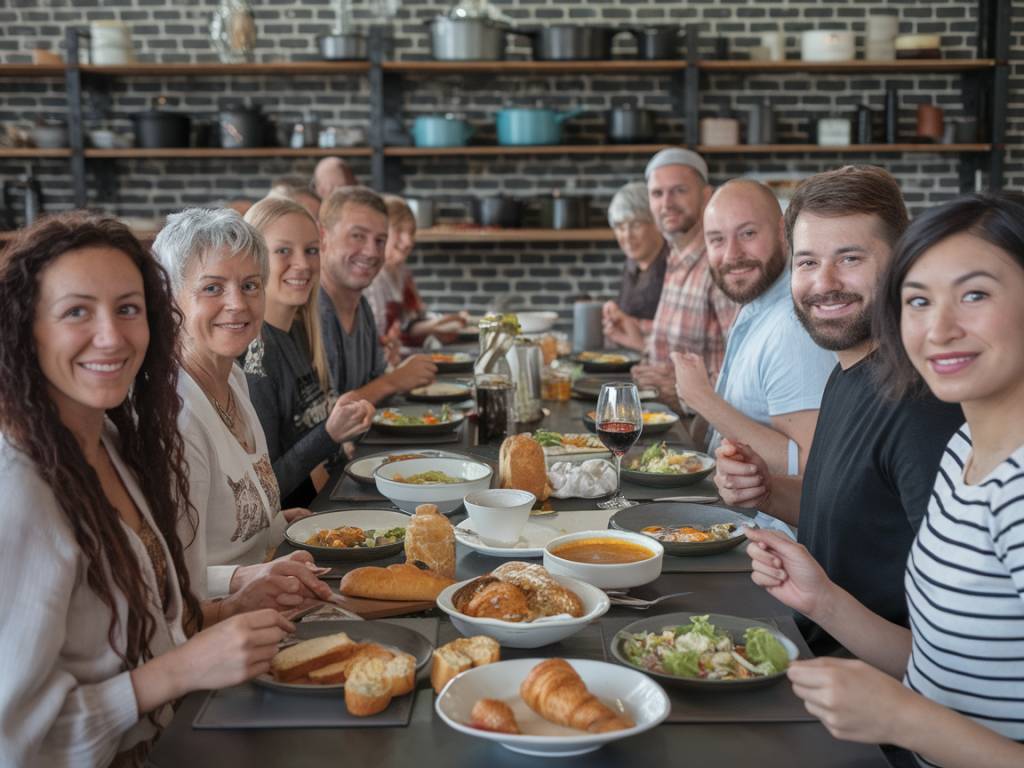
772,366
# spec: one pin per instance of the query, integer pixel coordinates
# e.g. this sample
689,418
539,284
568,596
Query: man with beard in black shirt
873,460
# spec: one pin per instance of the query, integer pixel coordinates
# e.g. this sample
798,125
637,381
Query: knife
692,499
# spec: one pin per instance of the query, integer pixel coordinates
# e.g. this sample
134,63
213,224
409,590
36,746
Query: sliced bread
296,661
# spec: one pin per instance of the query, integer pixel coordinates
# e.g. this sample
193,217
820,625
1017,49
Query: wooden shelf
31,152
552,149
612,67
31,70
936,66
290,68
458,234
203,152
858,149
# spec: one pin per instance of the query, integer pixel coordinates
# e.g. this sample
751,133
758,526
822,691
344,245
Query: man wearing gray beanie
693,313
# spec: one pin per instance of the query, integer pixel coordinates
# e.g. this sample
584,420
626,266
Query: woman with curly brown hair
93,582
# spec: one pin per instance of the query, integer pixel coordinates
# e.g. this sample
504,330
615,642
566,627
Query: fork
619,597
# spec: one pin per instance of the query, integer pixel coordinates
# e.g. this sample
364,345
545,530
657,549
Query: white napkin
584,480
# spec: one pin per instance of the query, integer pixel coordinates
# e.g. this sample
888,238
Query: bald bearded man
330,174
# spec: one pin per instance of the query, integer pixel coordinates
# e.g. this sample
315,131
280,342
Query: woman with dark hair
954,294
93,584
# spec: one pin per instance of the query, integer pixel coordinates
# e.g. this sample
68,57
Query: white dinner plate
538,532
634,694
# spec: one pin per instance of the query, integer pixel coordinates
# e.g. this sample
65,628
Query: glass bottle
233,31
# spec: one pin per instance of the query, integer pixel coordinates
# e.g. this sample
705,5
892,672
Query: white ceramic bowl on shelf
607,575
475,476
536,322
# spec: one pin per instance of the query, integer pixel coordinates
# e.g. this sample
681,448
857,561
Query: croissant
493,715
557,693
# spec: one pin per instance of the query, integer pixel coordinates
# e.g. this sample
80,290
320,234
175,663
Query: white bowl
447,496
621,688
535,322
529,634
499,514
607,575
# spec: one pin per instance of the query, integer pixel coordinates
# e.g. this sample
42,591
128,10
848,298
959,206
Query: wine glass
619,419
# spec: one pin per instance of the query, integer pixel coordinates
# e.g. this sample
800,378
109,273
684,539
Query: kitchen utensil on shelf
719,131
761,123
158,128
531,127
242,126
586,326
110,43
467,39
559,212
498,211
775,43
571,42
50,134
865,133
302,134
827,45
27,188
834,132
930,122
233,31
966,130
657,43
880,35
344,43
918,47
629,125
440,131
422,210
892,116
525,361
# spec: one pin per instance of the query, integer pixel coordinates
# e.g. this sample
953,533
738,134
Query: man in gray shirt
353,232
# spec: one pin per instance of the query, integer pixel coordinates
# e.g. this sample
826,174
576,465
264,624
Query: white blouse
234,492
66,697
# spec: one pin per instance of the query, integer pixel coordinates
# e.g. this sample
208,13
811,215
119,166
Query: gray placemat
347,489
252,707
774,703
735,560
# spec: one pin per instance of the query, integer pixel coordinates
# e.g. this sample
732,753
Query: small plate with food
705,651
684,529
441,392
443,482
664,466
611,361
350,534
324,653
552,707
361,469
657,419
589,387
567,444
452,362
418,420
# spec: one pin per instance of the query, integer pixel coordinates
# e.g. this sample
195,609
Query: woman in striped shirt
955,294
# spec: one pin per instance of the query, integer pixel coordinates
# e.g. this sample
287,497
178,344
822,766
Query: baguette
402,581
459,655
368,688
296,661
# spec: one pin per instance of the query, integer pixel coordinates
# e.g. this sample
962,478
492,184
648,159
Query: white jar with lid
110,43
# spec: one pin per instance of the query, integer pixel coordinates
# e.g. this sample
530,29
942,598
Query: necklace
225,413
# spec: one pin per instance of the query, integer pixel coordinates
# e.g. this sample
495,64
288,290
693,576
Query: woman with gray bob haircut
218,265
629,214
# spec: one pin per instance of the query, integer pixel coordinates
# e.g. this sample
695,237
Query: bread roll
430,539
521,465
402,581
499,600
459,655
368,688
493,715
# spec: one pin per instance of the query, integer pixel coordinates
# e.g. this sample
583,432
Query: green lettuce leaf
682,663
699,625
763,647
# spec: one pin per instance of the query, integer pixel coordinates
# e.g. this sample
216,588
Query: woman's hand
232,651
295,513
788,572
855,701
348,418
282,584
741,475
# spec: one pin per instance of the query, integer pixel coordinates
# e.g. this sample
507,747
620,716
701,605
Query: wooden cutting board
382,609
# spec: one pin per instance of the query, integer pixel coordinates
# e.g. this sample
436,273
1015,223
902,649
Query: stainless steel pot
657,43
628,125
497,212
343,47
241,126
557,212
572,42
422,210
467,39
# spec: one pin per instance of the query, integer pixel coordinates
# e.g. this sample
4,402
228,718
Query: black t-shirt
869,476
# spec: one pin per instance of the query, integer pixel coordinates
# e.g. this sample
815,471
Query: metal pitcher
526,360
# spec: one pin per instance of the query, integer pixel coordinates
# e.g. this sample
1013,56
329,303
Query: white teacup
499,515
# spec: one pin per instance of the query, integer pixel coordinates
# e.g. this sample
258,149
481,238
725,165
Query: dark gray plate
382,633
676,513
591,366
732,625
649,429
459,366
361,469
664,480
298,532
415,430
465,393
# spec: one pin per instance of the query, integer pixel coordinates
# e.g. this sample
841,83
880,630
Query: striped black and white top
965,593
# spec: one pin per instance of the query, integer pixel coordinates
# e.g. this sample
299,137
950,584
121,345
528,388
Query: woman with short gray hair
629,215
218,265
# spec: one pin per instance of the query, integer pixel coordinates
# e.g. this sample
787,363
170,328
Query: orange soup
602,551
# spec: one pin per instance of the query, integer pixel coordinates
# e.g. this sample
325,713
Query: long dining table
758,741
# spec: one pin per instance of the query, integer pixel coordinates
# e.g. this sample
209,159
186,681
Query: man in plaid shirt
693,314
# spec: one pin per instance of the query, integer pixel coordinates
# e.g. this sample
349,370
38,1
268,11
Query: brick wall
545,275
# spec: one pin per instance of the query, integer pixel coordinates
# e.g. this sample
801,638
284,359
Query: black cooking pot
157,129
242,126
628,125
657,43
571,42
557,212
497,212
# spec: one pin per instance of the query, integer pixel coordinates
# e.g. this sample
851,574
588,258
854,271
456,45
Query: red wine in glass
618,436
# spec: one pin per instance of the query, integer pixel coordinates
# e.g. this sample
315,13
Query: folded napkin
583,480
